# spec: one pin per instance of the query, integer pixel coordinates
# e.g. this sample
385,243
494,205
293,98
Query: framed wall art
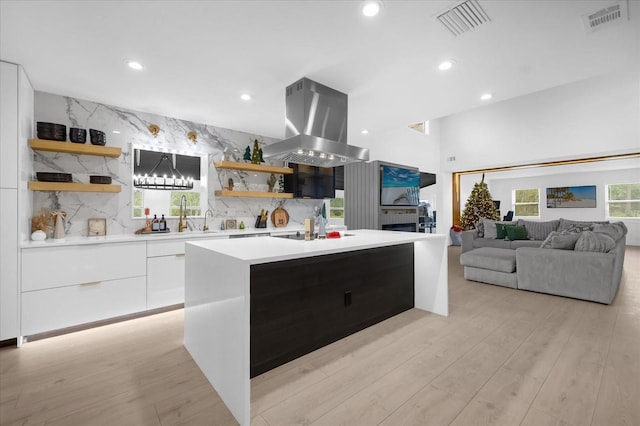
97,227
571,197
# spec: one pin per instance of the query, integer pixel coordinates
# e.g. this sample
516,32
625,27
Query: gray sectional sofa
582,260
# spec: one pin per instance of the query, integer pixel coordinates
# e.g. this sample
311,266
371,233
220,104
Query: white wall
598,116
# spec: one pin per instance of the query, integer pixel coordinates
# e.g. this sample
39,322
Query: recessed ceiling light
446,65
117,132
245,97
135,65
486,96
371,8
365,132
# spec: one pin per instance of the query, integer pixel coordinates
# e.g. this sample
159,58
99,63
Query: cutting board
279,217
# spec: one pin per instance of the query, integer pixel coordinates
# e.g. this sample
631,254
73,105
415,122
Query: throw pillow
578,228
539,230
596,242
501,230
480,228
516,233
490,231
566,223
615,230
547,242
565,241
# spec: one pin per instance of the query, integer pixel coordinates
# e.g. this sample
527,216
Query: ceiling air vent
463,17
606,17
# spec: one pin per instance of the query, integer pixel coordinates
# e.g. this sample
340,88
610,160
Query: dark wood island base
298,306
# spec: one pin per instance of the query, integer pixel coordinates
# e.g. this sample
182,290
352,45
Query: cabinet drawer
165,281
53,267
165,248
52,309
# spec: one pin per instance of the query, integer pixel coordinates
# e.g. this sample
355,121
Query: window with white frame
526,202
167,202
623,200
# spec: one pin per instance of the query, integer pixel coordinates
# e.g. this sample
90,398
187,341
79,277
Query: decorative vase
38,235
58,231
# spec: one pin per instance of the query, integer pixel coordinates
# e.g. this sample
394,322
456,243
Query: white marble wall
133,130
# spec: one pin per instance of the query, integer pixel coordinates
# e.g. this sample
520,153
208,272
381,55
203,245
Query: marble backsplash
132,128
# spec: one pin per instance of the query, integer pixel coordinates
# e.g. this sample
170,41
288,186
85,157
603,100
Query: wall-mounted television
399,186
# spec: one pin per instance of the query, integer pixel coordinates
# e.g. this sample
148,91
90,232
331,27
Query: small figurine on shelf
230,185
58,230
247,154
256,155
260,152
271,182
40,224
241,226
222,228
281,186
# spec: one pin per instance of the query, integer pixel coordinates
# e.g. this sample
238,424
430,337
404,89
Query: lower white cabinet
165,281
165,271
51,309
8,264
73,285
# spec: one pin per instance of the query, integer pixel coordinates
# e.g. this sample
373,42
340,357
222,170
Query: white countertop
128,238
272,249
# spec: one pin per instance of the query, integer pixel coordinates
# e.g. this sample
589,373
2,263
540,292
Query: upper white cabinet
16,120
9,128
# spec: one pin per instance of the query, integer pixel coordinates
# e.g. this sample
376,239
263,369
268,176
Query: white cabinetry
67,286
165,272
16,120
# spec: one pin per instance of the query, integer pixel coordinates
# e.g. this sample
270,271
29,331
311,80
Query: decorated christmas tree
479,205
255,154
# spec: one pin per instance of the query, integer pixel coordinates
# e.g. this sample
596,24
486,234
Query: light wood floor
502,356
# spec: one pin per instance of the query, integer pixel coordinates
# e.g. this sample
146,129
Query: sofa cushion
524,243
480,228
615,230
490,242
539,230
516,233
565,224
596,242
495,259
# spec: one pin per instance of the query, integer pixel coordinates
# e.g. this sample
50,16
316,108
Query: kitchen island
255,303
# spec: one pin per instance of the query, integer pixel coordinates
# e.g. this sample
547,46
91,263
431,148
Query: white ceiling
201,55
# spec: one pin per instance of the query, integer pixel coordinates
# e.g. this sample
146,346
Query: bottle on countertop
163,224
155,225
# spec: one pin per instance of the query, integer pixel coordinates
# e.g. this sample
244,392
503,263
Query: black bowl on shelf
77,135
97,137
53,177
51,131
105,180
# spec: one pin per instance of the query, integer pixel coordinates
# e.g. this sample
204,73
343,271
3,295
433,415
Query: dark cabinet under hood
310,182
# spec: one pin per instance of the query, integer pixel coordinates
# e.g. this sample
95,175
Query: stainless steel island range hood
315,128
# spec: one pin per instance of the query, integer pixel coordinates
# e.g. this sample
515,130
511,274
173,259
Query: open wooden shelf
249,167
72,187
254,194
74,148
